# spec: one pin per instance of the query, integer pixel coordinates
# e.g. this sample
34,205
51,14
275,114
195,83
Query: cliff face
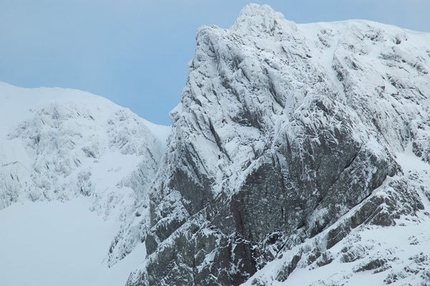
286,133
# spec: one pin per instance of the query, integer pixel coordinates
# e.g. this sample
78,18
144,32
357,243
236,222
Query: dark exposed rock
352,253
324,259
372,265
288,269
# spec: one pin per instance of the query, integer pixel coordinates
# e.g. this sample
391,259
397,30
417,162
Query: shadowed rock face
282,129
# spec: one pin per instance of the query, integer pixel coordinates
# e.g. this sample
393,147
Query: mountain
68,146
288,158
299,155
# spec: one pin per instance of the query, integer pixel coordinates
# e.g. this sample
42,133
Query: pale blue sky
135,52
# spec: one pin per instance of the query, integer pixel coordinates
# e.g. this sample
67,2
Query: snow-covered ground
59,243
406,248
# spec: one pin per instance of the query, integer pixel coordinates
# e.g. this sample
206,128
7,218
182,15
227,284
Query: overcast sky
135,52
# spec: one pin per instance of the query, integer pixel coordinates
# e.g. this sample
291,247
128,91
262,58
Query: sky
135,52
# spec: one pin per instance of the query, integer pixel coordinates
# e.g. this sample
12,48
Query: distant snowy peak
59,144
53,141
65,145
18,103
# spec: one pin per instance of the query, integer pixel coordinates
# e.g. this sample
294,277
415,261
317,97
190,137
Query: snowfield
59,243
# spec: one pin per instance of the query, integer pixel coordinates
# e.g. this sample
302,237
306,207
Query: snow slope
51,139
59,243
87,164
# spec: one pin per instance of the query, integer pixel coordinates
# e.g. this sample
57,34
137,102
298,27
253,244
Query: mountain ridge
289,140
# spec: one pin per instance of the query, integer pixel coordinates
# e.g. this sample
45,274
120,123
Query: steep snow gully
299,155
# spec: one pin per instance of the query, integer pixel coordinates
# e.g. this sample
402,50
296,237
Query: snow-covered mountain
286,158
299,155
59,145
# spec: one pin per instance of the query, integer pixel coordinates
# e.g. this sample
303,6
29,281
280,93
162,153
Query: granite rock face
282,130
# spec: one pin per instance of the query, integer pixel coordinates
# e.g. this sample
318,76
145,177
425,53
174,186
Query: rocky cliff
287,134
